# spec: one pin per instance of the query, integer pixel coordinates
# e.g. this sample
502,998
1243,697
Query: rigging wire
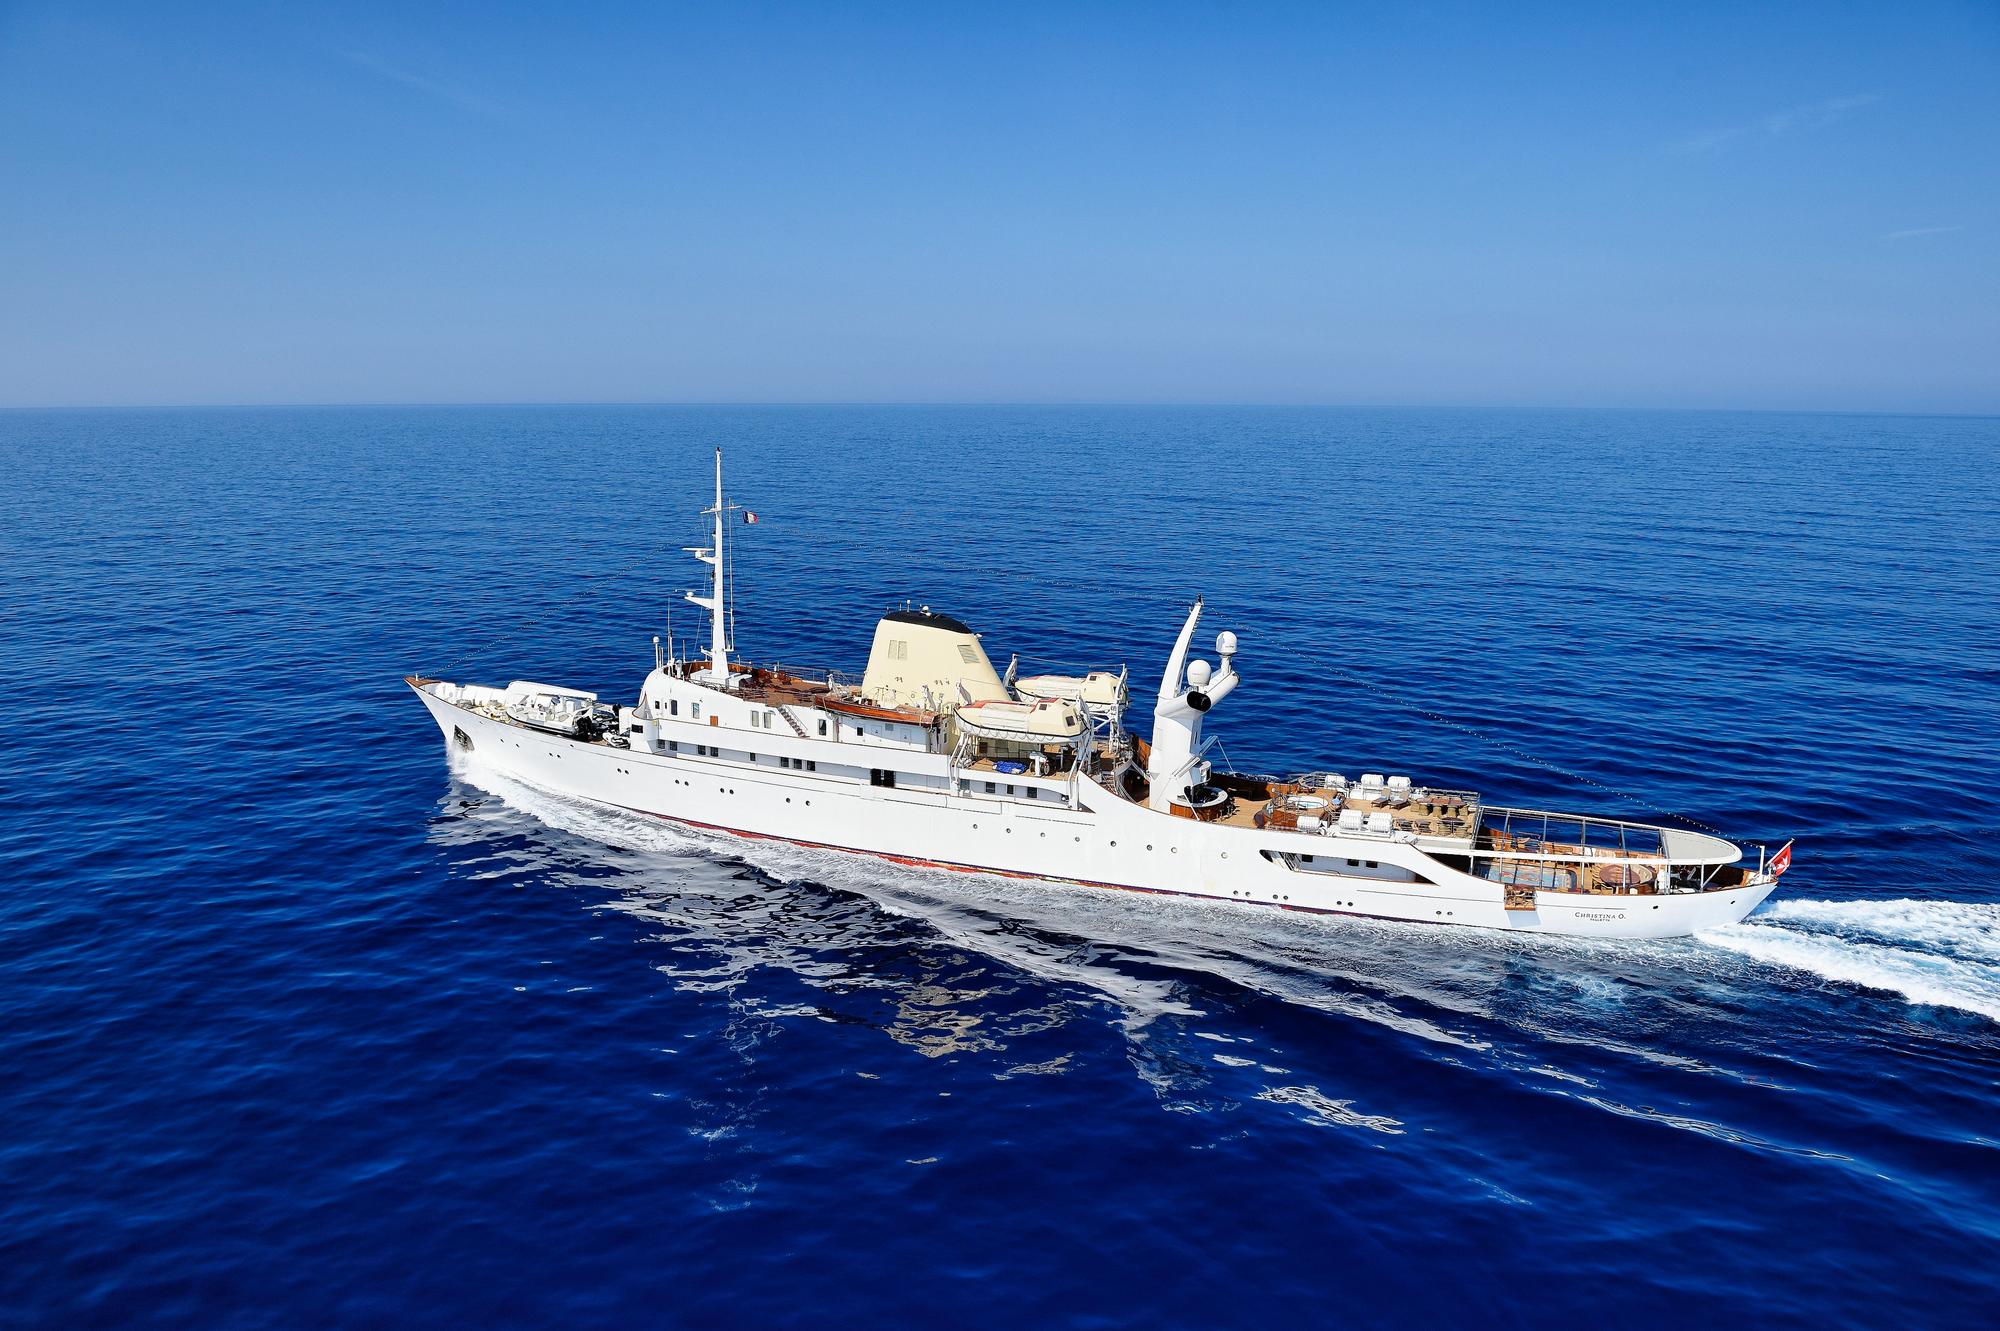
1506,746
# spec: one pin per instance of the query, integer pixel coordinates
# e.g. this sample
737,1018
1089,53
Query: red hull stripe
920,863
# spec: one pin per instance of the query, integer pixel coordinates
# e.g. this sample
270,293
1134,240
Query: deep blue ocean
302,1027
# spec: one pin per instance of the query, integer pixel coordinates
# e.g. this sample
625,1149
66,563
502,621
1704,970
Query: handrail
1551,857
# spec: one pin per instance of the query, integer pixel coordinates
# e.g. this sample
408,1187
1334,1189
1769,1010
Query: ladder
791,721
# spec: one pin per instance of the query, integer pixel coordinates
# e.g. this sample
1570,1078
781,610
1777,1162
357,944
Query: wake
1933,953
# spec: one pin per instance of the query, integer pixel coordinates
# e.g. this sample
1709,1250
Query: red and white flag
1781,861
748,516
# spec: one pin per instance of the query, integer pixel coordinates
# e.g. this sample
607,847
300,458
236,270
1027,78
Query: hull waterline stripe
920,863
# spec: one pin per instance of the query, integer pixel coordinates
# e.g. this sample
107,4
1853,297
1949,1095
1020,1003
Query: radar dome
1225,643
1197,674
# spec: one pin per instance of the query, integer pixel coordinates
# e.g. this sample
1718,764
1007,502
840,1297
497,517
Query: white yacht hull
1101,840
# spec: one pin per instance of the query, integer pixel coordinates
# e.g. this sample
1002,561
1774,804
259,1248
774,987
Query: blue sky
1678,205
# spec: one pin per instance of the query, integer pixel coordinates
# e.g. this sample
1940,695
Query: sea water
305,1025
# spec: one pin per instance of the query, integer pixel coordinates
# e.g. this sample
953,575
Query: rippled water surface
304,1027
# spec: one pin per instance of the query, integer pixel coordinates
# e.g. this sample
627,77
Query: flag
748,516
1781,861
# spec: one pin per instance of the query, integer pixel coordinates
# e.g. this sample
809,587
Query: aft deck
1523,850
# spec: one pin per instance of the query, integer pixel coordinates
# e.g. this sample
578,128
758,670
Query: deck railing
1542,834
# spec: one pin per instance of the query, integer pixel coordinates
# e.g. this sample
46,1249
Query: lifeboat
908,716
1098,690
1049,721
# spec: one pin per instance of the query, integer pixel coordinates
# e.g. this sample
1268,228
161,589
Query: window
673,746
881,776
1354,864
989,787
769,717
822,725
1030,792
812,764
696,710
1372,864
753,757
1010,787
674,707
755,720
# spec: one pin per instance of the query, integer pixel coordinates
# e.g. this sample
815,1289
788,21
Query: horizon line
986,403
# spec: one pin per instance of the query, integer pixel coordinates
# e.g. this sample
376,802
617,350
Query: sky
1740,205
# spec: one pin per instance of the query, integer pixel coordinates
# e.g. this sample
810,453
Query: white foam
1955,928
1936,953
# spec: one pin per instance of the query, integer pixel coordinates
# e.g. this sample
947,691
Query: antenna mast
717,601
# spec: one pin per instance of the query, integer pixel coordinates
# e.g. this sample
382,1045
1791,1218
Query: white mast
1177,763
717,602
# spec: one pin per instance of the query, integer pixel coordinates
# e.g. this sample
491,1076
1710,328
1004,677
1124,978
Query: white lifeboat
1098,690
1048,721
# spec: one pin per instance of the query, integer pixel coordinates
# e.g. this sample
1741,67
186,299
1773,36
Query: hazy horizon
1639,408
1654,208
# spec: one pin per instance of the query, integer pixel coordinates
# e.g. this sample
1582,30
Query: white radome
933,759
